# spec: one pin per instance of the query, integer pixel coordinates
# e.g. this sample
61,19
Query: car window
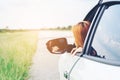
107,37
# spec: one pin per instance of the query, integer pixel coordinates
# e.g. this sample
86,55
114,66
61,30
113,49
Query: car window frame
92,31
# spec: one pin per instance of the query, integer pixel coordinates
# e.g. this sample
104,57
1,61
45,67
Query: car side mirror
59,46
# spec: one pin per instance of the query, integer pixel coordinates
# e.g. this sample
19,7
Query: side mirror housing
59,46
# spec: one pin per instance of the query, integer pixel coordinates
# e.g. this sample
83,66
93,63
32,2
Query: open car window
106,41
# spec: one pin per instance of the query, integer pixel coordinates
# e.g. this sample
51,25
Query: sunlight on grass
16,51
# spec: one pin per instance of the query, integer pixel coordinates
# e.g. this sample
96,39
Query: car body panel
86,69
66,62
94,71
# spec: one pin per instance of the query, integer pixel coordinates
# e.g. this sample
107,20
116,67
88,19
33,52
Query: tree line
21,30
58,28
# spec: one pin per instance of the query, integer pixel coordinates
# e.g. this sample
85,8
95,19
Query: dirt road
45,64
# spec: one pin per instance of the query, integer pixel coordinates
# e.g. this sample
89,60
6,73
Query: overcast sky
42,13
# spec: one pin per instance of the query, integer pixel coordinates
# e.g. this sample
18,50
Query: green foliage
64,28
16,51
58,28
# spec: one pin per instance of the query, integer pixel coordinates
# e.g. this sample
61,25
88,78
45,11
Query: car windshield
107,38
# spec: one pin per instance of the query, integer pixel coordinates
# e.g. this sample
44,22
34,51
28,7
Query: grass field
16,51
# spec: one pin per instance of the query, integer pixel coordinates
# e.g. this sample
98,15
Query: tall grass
16,51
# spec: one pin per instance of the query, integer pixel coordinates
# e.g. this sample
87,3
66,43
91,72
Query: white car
104,37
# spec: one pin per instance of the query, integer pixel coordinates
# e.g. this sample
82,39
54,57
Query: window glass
107,37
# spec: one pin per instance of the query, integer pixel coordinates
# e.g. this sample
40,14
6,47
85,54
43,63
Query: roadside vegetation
16,51
58,28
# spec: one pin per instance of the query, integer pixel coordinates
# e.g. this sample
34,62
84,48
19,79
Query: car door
105,39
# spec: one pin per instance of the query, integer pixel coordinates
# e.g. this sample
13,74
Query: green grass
16,51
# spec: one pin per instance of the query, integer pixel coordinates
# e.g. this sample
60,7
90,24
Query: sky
22,14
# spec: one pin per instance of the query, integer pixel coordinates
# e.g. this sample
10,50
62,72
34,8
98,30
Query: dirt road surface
45,64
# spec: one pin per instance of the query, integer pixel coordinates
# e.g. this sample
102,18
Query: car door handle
66,75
